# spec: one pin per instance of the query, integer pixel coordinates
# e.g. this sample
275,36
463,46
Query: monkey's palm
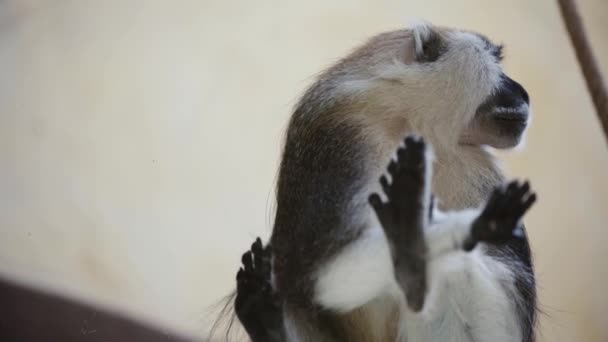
500,220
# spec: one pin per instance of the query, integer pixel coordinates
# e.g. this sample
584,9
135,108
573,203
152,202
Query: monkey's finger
258,262
518,199
243,282
510,199
525,187
402,153
261,259
528,202
412,140
258,254
256,247
512,188
379,207
240,275
247,261
392,167
522,206
385,186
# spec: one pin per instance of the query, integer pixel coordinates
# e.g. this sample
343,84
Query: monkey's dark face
501,120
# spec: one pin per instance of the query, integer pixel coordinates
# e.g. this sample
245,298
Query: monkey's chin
519,142
512,130
509,139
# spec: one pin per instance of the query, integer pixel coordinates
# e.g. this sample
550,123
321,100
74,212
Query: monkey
337,271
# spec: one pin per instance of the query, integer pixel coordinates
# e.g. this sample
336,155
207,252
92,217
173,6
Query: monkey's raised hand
500,219
403,217
256,305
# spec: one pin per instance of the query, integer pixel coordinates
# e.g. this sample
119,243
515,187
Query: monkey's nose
515,89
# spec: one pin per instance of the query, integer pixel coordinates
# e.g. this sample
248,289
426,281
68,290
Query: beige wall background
139,142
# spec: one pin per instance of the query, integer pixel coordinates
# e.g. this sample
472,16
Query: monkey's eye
497,52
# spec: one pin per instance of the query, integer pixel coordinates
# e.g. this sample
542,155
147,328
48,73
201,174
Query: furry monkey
345,270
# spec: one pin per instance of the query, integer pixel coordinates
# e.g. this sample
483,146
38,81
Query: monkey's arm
405,216
258,308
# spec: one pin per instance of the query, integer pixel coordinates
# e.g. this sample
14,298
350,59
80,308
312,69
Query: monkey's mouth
511,116
511,122
516,113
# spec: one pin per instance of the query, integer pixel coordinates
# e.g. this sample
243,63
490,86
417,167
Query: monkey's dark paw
406,191
403,217
500,220
256,305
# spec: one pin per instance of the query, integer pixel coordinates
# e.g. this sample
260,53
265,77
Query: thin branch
586,59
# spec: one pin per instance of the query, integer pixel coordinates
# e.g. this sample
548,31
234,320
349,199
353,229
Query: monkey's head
445,82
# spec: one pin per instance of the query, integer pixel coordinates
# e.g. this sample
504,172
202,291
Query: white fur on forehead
422,31
494,70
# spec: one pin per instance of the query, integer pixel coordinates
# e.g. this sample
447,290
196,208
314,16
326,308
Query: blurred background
139,143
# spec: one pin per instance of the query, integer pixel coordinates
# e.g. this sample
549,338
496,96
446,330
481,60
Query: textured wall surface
139,142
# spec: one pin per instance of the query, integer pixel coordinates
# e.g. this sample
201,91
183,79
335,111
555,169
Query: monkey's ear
428,42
